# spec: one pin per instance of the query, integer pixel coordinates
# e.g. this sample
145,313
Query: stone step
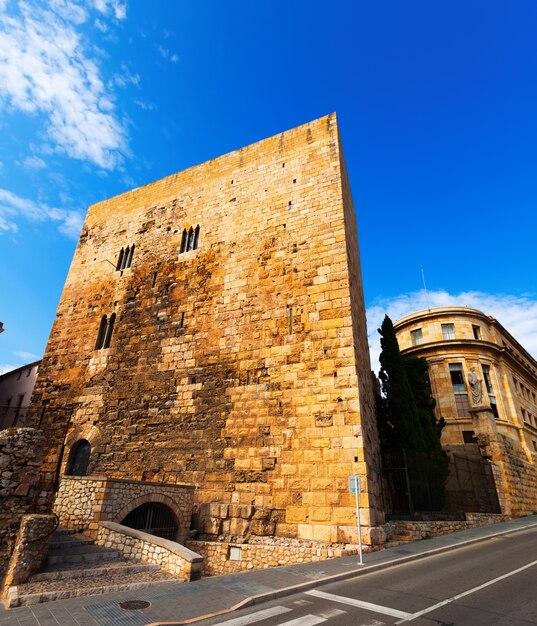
81,554
47,591
62,572
66,542
63,530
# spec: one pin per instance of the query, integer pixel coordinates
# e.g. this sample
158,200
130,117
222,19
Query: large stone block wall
221,557
242,366
84,501
20,459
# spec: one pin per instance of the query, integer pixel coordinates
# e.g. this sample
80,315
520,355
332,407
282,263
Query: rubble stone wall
139,546
228,557
414,531
83,501
20,459
31,548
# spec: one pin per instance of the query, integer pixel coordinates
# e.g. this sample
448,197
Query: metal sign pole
356,489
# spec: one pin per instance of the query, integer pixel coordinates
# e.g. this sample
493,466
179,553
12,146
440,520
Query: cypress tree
399,418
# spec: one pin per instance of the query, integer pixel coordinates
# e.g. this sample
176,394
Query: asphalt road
490,583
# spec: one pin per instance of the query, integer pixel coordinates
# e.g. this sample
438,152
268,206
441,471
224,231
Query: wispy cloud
7,367
34,163
13,207
46,68
167,54
518,314
27,356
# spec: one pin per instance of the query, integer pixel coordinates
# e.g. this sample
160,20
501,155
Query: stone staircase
75,566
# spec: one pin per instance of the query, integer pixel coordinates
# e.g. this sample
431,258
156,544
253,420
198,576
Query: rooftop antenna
425,287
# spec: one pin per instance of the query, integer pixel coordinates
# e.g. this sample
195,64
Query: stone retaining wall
20,459
83,501
31,548
408,531
224,557
139,546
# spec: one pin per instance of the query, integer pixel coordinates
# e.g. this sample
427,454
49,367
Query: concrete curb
334,578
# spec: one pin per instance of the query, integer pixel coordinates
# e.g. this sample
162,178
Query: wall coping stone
172,546
127,480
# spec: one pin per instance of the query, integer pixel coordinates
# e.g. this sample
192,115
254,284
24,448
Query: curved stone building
494,404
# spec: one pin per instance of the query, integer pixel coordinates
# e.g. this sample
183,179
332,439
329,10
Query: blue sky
436,103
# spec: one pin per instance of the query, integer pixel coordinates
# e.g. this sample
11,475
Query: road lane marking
306,620
244,620
465,593
329,613
376,608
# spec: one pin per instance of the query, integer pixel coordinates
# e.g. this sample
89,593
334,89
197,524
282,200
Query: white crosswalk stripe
244,620
305,620
369,606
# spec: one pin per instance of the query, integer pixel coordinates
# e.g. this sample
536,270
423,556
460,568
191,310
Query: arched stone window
119,260
196,237
101,334
79,458
183,242
190,239
109,331
153,518
129,260
105,332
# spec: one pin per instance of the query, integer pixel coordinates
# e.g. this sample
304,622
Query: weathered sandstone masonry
84,501
212,332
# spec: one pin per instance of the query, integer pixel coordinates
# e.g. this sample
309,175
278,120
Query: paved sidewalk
181,603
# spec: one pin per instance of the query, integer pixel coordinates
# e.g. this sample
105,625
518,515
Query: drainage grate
134,605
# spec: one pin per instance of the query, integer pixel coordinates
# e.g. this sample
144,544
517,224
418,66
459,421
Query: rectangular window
462,404
468,436
457,379
448,331
493,407
417,336
477,332
486,378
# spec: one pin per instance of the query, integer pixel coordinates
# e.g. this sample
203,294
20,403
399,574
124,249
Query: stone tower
212,332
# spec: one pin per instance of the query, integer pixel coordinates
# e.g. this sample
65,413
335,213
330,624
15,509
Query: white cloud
45,69
517,314
145,106
27,356
126,78
7,367
13,207
33,163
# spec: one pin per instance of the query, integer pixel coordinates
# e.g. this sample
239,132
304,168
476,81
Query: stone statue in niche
476,387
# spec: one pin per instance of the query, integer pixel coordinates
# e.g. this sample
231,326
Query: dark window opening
190,239
79,459
457,379
105,332
182,320
120,260
486,378
196,237
154,280
477,332
493,407
468,436
125,257
109,331
102,333
155,519
183,242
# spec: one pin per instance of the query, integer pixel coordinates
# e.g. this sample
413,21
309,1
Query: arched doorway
79,458
153,518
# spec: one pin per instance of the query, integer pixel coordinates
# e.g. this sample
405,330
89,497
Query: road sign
354,484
